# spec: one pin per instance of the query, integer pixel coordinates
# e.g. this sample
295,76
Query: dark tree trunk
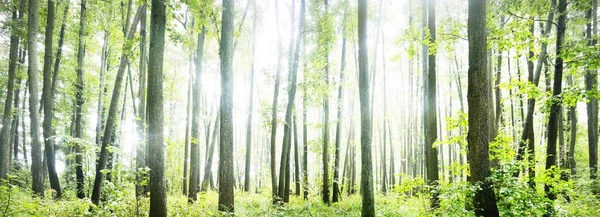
196,109
431,130
556,91
112,111
484,200
158,185
591,83
48,102
366,182
32,71
296,155
226,179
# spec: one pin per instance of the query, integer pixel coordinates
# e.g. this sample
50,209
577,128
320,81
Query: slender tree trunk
573,136
296,155
338,131
430,111
141,155
591,83
250,107
226,200
112,111
484,200
304,145
207,179
79,102
274,109
556,91
196,110
366,183
285,152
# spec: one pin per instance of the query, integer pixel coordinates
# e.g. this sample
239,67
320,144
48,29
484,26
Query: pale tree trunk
340,101
274,109
140,159
250,107
196,109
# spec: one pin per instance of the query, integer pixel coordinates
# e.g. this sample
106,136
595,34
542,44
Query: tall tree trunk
431,130
141,155
196,110
250,107
158,185
112,111
285,152
556,91
338,130
188,126
226,179
326,130
296,155
32,71
6,118
207,179
48,101
484,200
366,182
79,102
591,84
274,109
304,145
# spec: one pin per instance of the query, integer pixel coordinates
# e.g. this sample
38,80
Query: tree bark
478,137
226,179
250,107
141,155
366,183
338,130
79,102
431,130
207,179
274,109
196,109
591,84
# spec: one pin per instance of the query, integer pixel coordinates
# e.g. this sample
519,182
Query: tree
80,101
484,200
140,158
274,109
226,178
285,153
195,143
591,83
107,138
430,109
32,71
556,92
6,120
366,180
158,185
250,106
338,128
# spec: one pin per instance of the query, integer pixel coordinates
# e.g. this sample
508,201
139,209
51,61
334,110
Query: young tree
158,185
274,109
478,138
338,129
250,107
366,181
140,158
591,83
107,138
195,143
32,71
226,178
556,92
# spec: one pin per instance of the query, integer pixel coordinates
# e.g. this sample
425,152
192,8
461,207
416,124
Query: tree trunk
591,83
6,118
338,130
32,71
207,179
556,91
274,109
226,179
158,187
366,183
285,152
484,200
112,111
430,111
304,146
196,110
250,107
296,155
141,155
79,102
